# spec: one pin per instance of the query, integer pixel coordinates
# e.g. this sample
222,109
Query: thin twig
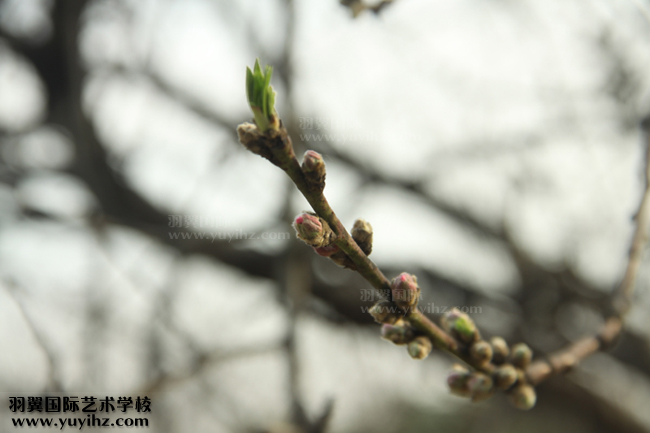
276,146
203,362
563,360
278,149
624,292
54,380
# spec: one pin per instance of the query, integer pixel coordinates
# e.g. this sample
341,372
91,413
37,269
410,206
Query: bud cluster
473,384
508,375
401,333
510,364
315,232
495,366
479,386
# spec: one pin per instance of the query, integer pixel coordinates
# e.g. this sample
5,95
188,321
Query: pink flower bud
308,226
405,290
313,167
312,161
314,231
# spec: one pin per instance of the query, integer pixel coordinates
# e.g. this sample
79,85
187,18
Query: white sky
430,90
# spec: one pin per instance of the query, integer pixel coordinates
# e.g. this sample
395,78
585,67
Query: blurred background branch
116,117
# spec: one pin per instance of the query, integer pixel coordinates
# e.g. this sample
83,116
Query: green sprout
261,97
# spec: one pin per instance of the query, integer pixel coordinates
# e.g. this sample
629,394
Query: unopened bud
481,352
457,380
313,167
313,230
521,355
397,334
308,226
362,235
385,312
249,136
500,350
405,290
420,347
460,325
523,397
505,376
480,386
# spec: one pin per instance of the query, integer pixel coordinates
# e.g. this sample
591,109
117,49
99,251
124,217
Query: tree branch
54,380
276,146
565,359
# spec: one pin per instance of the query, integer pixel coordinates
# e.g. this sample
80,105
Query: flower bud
500,350
362,235
480,386
521,355
308,226
420,347
249,136
481,352
385,312
313,230
313,167
523,397
396,334
505,376
460,325
457,380
405,290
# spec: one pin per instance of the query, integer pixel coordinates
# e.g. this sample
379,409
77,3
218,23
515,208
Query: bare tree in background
303,284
